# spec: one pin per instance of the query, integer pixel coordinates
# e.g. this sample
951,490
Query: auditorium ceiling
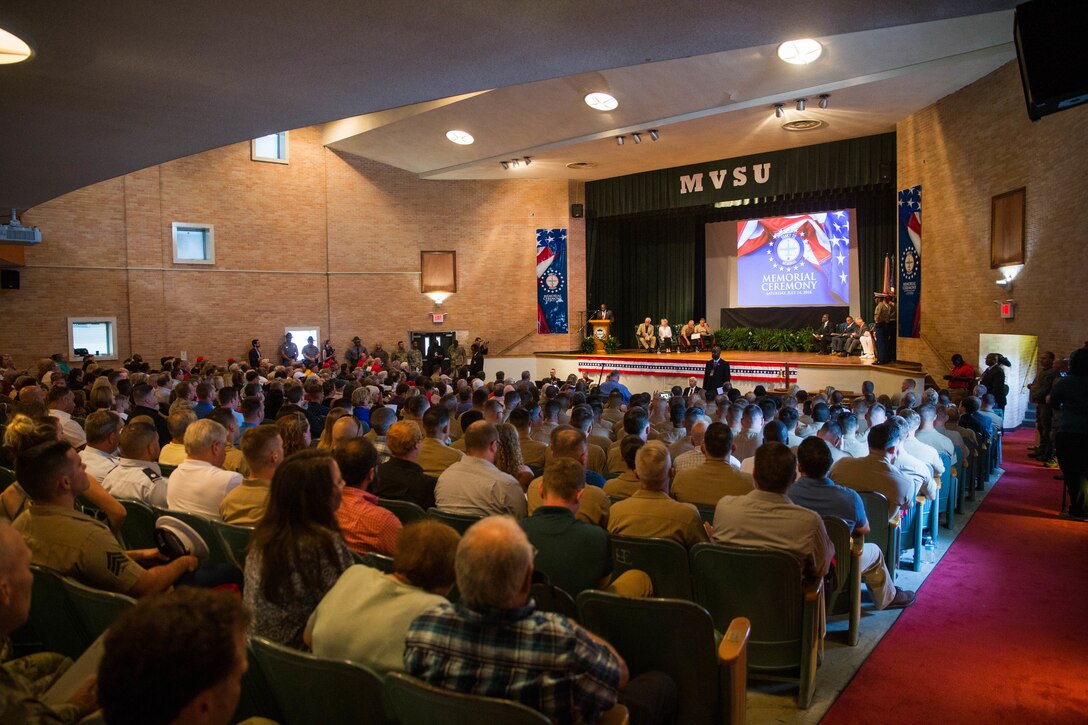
118,86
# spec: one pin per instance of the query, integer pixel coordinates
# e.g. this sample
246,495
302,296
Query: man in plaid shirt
494,643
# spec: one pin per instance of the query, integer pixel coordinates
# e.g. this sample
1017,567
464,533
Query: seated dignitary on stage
649,512
199,484
74,544
474,486
262,447
401,478
715,477
103,428
852,337
686,332
494,643
877,471
823,336
138,475
839,337
647,339
573,554
765,518
815,491
664,336
422,577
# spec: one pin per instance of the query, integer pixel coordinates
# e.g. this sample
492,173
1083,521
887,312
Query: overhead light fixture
619,140
800,104
515,163
778,110
801,51
505,165
12,48
528,161
637,137
823,100
464,138
601,101
654,135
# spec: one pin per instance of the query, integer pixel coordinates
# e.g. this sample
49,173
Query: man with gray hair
103,428
200,483
494,643
649,512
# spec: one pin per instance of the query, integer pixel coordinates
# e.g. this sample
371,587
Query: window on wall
299,336
96,335
273,148
193,243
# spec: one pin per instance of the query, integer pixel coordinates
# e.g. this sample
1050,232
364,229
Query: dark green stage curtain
645,267
655,264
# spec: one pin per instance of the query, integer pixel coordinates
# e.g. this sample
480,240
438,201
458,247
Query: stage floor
807,359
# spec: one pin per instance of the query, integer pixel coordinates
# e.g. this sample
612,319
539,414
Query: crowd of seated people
305,458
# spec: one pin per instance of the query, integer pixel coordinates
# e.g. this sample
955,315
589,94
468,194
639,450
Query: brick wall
329,240
963,150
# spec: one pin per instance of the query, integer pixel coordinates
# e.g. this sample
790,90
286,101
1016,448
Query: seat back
763,585
459,522
706,513
948,488
881,532
664,560
839,533
217,553
550,598
234,539
380,562
413,702
405,511
166,469
308,689
97,609
7,477
687,655
138,530
54,622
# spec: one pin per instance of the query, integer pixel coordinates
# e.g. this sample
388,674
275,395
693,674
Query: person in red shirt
366,526
961,378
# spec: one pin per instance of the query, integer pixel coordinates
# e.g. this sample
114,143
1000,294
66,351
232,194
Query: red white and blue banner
758,373
910,261
551,281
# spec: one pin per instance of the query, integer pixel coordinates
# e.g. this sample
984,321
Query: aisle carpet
999,632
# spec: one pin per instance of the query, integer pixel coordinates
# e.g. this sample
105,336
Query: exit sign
1008,310
438,317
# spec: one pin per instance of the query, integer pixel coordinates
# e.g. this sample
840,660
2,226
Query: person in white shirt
915,469
927,431
923,452
138,476
750,437
199,484
854,444
473,485
831,434
100,456
61,403
664,335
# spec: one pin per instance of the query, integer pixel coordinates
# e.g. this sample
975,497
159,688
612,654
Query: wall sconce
438,275
1008,274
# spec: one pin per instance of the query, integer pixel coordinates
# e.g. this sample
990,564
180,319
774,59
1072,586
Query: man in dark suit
716,374
838,341
255,354
692,387
605,314
823,336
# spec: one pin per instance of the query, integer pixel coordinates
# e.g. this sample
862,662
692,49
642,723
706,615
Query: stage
648,372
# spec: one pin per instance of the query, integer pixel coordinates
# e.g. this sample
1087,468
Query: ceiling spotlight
505,166
637,137
12,48
654,135
464,138
800,52
800,104
823,100
601,101
778,110
619,140
528,161
515,163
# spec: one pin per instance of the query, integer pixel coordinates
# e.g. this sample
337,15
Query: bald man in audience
401,478
877,470
707,483
575,555
570,444
138,475
103,428
473,486
200,483
262,447
435,456
649,512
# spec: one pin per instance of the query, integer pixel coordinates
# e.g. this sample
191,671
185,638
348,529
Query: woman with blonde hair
508,458
295,431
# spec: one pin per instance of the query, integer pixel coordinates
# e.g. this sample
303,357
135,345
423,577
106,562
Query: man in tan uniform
626,484
650,513
434,455
74,544
532,451
246,504
708,482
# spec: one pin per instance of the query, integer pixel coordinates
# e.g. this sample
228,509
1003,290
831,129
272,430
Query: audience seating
881,531
234,540
911,528
380,562
405,511
95,608
947,496
460,522
706,513
138,530
54,624
764,586
257,699
7,477
846,594
166,470
413,702
308,689
710,676
663,560
550,598
217,553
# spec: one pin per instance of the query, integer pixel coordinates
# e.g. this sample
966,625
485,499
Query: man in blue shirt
815,491
613,383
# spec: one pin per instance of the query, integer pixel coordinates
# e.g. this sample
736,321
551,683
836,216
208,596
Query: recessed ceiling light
601,101
803,124
460,137
800,52
12,48
582,165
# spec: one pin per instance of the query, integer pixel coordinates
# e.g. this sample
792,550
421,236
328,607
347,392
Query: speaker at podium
600,329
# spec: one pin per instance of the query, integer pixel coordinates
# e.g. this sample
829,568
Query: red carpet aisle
999,632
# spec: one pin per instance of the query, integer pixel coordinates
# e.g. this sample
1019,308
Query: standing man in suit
254,353
823,336
716,374
605,314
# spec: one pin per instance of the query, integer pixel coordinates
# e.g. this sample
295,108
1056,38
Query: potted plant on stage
611,344
588,346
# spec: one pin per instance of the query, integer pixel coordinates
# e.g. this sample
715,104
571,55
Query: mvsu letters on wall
760,174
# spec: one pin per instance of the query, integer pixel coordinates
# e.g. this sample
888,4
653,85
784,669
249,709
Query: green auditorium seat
380,562
96,609
413,702
765,587
166,470
308,689
845,595
460,522
217,553
664,560
234,540
881,531
406,511
550,598
706,513
947,497
911,528
710,677
54,624
138,530
7,477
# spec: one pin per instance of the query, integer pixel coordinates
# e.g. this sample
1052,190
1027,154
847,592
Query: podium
600,329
